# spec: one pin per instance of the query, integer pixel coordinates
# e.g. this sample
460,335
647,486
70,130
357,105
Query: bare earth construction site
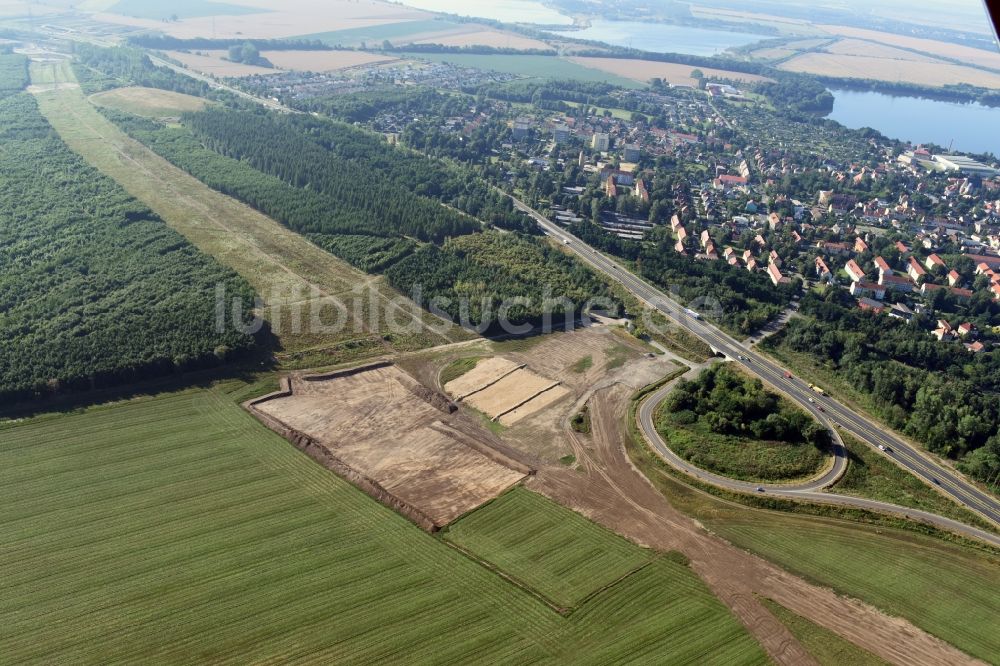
397,440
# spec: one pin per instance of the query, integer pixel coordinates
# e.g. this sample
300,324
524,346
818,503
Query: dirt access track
401,442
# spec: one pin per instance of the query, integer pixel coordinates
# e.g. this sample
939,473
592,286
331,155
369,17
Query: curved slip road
904,455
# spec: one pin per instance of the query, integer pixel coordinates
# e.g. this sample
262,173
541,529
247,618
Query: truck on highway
691,313
817,389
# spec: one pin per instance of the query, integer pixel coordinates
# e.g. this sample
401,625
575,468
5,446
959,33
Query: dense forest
96,290
742,302
378,207
168,43
99,69
13,74
485,270
939,394
731,403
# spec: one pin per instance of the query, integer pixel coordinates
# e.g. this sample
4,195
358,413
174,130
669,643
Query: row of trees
940,394
95,289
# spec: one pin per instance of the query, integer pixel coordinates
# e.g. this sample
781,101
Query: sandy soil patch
536,404
280,18
512,391
860,47
486,372
486,38
213,64
934,47
323,61
924,73
148,101
382,423
644,70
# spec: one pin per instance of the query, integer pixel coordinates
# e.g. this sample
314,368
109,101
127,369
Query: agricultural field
272,19
855,47
324,61
374,35
384,425
486,37
284,268
864,67
175,528
932,47
533,66
214,63
552,550
148,102
644,70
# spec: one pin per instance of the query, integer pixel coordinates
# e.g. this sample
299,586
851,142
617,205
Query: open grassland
644,70
946,589
148,102
287,270
864,67
548,548
176,529
533,66
826,647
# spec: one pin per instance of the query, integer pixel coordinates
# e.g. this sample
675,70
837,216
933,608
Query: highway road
823,407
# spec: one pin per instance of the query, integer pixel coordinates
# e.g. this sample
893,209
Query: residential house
954,278
641,191
934,260
822,270
869,305
870,289
854,271
860,245
883,266
775,274
915,270
896,283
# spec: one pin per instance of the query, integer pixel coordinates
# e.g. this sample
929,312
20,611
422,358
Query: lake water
663,38
509,11
974,128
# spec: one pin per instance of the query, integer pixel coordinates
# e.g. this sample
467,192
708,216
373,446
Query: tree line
95,290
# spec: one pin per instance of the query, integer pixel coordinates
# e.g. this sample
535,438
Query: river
973,128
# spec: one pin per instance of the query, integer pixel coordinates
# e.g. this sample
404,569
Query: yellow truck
817,389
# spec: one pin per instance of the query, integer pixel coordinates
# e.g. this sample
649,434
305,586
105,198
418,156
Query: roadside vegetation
726,422
945,588
118,509
97,291
936,393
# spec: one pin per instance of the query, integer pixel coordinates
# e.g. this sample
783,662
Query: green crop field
951,594
533,66
826,647
176,529
549,548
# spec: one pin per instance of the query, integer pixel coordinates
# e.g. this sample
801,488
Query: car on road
760,489
788,375
812,400
821,408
